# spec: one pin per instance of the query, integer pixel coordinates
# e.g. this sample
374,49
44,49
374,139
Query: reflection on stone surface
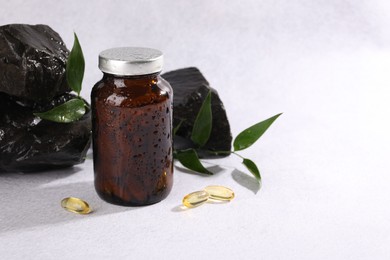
30,144
32,62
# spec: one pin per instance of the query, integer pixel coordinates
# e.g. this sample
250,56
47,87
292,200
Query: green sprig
203,123
67,112
74,108
75,66
201,134
250,135
189,159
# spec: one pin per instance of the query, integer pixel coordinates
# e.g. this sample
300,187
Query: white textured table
324,163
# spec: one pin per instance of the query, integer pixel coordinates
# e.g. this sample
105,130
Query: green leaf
189,158
177,127
203,123
67,112
250,135
75,66
251,166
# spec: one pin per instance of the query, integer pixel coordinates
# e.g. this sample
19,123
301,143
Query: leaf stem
219,152
238,155
225,152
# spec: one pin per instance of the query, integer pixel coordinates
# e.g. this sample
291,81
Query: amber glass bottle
132,128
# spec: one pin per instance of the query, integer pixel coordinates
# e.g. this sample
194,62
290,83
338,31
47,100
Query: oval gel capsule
76,205
195,199
219,192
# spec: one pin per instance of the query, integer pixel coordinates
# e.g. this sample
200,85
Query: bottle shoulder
130,92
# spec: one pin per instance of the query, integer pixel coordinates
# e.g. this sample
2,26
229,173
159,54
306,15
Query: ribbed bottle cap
130,61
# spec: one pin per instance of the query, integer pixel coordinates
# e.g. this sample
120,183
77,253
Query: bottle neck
132,77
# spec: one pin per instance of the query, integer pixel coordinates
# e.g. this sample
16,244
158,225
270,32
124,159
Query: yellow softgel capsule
219,192
195,199
76,205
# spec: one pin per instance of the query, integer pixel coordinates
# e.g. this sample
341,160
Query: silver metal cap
130,61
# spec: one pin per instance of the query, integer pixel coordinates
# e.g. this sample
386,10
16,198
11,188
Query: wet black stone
28,143
32,62
190,88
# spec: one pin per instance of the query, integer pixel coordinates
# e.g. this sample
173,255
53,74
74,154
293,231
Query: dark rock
190,88
28,143
32,62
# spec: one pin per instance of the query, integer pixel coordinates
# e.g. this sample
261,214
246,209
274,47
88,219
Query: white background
324,163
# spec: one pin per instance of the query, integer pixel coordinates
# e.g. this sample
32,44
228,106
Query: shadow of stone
246,181
46,176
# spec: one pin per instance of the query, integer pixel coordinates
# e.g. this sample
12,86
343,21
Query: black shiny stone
32,62
29,144
190,88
